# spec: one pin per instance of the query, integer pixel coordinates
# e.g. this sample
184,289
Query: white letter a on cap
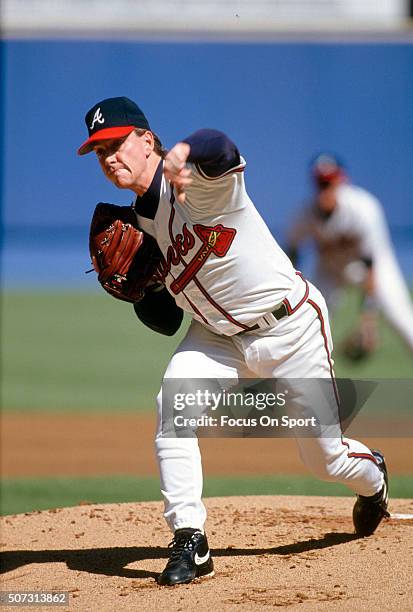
97,117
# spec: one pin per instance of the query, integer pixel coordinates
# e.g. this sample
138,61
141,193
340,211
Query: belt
279,313
290,304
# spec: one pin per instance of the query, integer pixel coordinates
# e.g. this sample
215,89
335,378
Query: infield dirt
294,552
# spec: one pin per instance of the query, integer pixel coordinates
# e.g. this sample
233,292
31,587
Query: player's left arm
373,233
159,311
211,150
298,234
363,340
374,242
368,322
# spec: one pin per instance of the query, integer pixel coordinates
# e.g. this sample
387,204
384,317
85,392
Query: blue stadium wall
280,102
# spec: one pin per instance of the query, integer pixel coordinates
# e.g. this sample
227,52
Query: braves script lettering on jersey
223,266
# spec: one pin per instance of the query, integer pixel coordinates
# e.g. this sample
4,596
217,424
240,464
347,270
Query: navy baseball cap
112,118
326,167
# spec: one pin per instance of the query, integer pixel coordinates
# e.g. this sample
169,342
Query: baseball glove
124,257
353,348
363,341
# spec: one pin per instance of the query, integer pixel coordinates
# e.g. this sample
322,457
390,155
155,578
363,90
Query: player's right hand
175,169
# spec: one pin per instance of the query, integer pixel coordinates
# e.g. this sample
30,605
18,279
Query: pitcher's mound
298,552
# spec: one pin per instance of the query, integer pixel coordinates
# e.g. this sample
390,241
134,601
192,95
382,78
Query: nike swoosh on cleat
201,560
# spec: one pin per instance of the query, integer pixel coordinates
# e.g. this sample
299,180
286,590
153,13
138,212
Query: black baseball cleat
368,512
190,558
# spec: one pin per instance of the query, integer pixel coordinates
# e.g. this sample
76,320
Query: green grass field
79,352
88,352
25,495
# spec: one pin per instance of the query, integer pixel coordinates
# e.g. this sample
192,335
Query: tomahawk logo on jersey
214,240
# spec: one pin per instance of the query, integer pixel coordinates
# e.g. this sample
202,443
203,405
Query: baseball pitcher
253,315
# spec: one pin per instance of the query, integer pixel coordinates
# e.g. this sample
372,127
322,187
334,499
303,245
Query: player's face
124,160
326,199
327,195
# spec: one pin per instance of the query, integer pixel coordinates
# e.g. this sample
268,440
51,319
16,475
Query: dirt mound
279,551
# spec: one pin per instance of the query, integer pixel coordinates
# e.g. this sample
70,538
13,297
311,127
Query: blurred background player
354,248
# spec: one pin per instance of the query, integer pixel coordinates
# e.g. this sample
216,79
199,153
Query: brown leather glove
124,257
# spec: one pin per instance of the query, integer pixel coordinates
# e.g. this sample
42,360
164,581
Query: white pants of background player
391,292
297,346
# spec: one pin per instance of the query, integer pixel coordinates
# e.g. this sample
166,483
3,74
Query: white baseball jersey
354,232
222,265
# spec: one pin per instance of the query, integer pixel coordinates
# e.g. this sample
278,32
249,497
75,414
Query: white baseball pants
298,346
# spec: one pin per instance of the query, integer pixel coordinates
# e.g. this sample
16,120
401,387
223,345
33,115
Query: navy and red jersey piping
323,332
371,457
290,309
